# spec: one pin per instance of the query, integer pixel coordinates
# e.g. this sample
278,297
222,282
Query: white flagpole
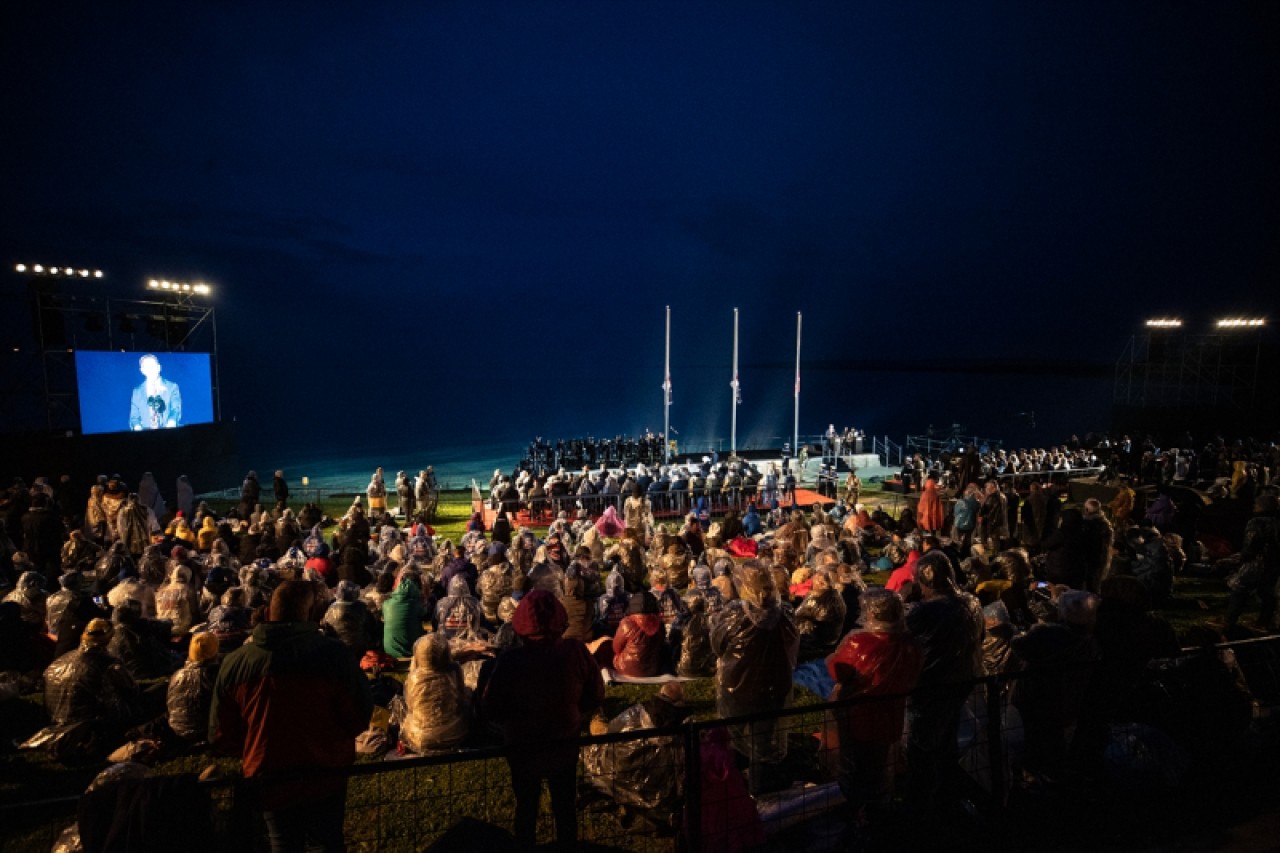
666,397
733,423
795,436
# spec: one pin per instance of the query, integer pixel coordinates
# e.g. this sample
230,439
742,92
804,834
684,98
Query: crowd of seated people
100,601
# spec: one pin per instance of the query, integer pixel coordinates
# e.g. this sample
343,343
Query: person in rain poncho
691,640
350,620
229,620
881,659
80,552
149,495
136,524
458,611
612,607
141,645
820,617
640,643
90,687
178,602
929,513
437,701
582,590
402,615
755,640
644,774
29,595
191,690
495,583
376,492
704,589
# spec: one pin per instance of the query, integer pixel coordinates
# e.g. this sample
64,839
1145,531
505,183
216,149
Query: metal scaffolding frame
65,320
1170,368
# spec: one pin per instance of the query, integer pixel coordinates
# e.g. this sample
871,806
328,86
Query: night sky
441,223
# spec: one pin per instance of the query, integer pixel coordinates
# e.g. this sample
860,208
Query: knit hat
204,646
96,634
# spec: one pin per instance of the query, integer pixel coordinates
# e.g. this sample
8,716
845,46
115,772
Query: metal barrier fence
808,766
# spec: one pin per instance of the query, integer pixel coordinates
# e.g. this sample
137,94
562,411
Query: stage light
1241,322
1164,323
53,270
20,268
153,284
97,273
84,273
37,268
202,289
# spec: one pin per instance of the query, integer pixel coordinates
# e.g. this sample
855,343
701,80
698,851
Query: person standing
539,693
756,642
291,700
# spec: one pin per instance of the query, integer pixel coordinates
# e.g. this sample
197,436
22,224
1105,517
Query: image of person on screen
157,402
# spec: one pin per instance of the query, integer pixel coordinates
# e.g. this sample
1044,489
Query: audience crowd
169,628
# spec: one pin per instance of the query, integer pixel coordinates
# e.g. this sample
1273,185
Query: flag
797,384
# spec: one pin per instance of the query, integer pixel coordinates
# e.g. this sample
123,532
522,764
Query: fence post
693,787
995,752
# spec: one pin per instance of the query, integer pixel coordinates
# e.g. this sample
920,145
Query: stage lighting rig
57,272
1241,322
1164,323
180,288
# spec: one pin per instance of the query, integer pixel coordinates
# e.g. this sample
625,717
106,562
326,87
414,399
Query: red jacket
904,573
290,699
876,663
638,644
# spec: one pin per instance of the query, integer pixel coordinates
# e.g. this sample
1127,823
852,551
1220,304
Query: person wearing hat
191,690
89,686
540,691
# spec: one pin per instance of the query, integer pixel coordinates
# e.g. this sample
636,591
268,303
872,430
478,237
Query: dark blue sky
475,212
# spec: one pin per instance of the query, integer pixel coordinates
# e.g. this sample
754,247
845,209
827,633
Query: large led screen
122,391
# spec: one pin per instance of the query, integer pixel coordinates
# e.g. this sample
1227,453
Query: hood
648,623
458,586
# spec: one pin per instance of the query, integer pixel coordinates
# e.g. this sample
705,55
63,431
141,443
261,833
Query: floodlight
20,268
202,289
97,273
53,270
153,284
1241,322
37,268
1164,323
84,273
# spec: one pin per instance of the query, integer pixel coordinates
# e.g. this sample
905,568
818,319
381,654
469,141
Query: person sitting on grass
437,703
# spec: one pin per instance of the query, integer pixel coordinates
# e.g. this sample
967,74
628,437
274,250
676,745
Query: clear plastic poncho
646,773
190,694
437,702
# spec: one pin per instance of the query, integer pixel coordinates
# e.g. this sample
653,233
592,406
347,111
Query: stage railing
683,780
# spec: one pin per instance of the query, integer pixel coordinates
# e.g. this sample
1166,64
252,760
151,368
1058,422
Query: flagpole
733,422
666,397
795,435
